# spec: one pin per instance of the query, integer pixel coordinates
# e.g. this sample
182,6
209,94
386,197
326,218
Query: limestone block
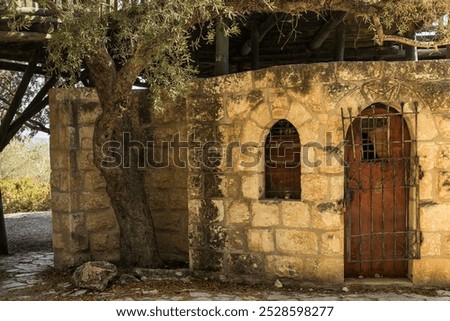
327,216
88,111
332,243
94,200
167,221
60,111
249,158
217,236
310,134
295,214
314,187
279,103
180,245
296,241
426,186
252,186
232,83
431,245
260,240
205,108
336,188
101,221
265,78
159,178
443,122
324,270
265,214
230,186
239,105
194,210
64,202
443,160
85,160
446,244
238,213
180,177
358,71
93,180
210,211
196,235
178,198
159,199
58,241
283,265
331,162
60,160
426,126
98,241
195,185
60,180
428,154
434,217
109,256
249,264
261,115
86,135
431,271
298,115
205,260
237,239
252,133
444,185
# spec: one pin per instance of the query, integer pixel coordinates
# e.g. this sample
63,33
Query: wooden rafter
17,100
326,30
265,27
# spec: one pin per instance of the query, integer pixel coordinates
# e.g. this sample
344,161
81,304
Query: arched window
282,162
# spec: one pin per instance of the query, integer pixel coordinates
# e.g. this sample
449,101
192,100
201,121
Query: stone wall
235,231
84,224
216,177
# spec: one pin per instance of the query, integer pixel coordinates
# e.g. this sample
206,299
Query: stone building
249,176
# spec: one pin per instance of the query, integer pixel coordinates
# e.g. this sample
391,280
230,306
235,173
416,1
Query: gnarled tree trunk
124,184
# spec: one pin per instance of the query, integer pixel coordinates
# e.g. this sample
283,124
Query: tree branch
382,37
103,73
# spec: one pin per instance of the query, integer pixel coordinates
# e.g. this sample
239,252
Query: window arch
282,161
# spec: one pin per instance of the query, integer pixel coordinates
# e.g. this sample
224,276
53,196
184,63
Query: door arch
379,175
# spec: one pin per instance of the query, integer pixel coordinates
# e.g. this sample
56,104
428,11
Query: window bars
282,162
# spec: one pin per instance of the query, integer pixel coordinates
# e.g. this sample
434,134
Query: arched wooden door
379,175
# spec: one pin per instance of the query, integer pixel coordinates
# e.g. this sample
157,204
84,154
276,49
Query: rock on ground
94,275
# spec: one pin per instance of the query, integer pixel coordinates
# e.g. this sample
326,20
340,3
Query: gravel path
29,232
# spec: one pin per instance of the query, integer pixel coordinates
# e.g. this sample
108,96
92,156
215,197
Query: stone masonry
213,210
84,224
234,230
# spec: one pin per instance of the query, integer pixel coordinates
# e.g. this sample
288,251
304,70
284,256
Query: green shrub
25,195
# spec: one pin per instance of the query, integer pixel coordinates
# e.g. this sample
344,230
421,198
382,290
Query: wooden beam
3,237
17,100
15,66
326,29
411,51
263,30
23,36
447,52
255,47
222,51
339,42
